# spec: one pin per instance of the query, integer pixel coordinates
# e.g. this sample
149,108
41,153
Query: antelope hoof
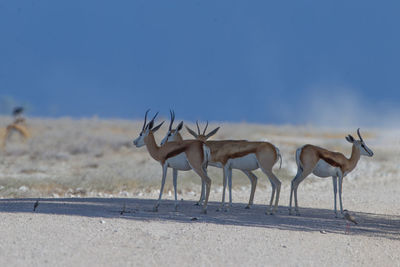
155,208
176,208
247,207
204,212
197,204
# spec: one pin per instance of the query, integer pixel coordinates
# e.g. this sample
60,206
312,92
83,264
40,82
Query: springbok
18,126
324,163
169,155
184,165
238,154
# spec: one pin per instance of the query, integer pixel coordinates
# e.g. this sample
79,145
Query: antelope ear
179,127
350,139
157,127
212,132
191,132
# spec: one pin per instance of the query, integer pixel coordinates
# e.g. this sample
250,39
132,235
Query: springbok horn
204,132
152,120
154,116
145,119
172,119
198,128
359,135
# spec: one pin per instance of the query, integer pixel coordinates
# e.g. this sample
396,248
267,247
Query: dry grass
93,157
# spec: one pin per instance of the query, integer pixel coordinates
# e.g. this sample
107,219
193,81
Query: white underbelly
324,169
248,163
179,162
215,164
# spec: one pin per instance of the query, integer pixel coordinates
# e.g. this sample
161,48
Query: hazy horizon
296,62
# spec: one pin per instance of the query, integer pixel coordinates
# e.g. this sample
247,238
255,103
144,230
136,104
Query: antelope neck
152,146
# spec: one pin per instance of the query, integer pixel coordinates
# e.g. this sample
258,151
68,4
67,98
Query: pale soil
92,232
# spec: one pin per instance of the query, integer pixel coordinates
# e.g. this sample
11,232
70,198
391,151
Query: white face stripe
165,139
364,150
139,141
170,136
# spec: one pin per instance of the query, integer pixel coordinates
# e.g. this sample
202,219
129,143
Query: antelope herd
199,153
246,156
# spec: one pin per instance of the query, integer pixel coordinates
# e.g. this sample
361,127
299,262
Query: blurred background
271,62
288,72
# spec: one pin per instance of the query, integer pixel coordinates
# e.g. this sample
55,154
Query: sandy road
92,231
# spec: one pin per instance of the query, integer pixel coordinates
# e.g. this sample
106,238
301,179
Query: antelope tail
298,162
278,153
207,154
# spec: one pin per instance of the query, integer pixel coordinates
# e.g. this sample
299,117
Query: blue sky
317,62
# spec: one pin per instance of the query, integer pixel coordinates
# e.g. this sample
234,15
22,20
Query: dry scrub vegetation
95,157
